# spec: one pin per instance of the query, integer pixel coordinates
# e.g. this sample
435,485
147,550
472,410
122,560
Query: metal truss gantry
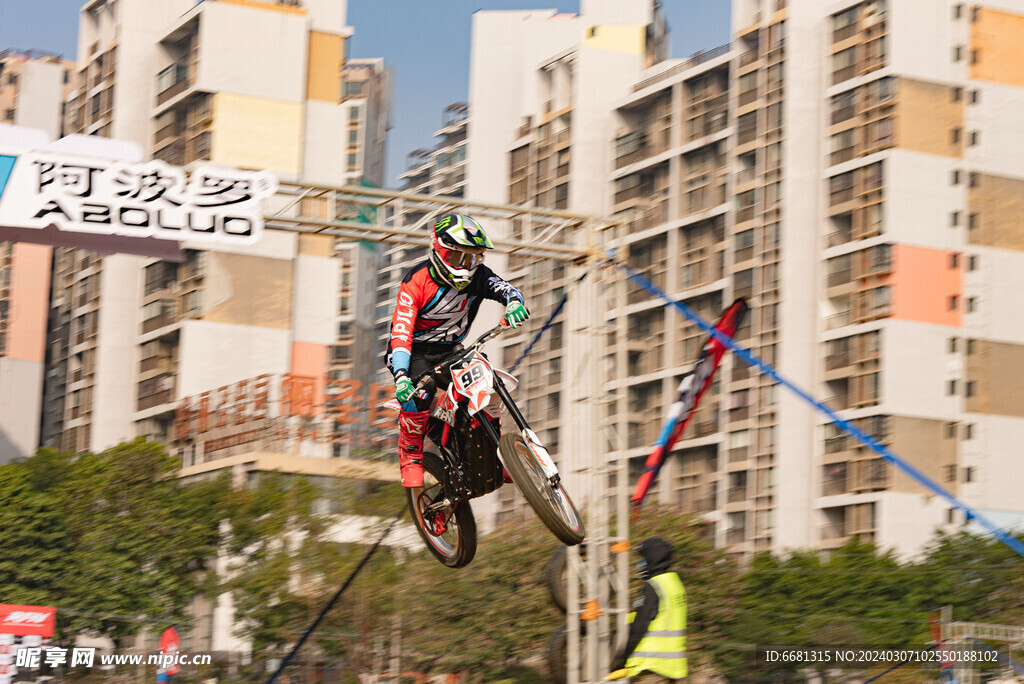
580,241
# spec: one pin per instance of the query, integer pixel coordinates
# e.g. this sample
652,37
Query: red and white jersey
429,314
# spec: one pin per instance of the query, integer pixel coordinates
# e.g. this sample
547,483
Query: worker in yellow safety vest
657,633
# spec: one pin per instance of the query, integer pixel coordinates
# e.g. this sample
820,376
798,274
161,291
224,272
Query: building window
974,97
958,53
972,220
844,65
975,56
954,260
958,93
950,429
972,262
958,10
955,136
12,79
969,474
951,388
353,114
973,180
970,347
956,177
352,166
954,219
974,13
954,302
9,115
973,138
969,388
950,473
969,431
952,345
972,304
844,106
844,24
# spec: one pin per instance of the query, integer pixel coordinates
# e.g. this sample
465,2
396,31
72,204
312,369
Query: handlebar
462,353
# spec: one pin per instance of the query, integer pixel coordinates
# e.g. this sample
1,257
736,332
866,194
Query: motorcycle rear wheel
551,502
456,546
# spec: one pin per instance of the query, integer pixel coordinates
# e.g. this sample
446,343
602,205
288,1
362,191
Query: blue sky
425,42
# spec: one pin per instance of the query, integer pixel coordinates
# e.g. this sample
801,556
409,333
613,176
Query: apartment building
33,86
137,337
440,170
850,170
542,93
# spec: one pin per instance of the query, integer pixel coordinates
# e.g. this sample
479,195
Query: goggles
457,259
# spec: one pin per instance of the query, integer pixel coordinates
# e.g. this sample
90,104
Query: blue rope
848,427
547,324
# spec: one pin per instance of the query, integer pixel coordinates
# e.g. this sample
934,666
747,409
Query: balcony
736,494
705,428
835,530
736,535
839,402
841,277
833,486
839,320
835,361
836,444
739,413
164,363
737,454
172,81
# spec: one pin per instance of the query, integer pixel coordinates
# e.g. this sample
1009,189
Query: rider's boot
411,427
496,422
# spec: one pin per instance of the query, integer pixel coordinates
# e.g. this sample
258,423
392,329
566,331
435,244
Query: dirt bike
466,464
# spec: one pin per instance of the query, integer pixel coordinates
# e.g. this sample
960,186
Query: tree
110,534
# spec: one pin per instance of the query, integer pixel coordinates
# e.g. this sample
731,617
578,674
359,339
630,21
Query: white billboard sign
151,199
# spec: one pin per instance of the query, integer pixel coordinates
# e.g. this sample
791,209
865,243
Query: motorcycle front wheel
450,533
551,502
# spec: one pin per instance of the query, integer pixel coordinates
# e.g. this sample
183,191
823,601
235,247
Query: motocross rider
437,302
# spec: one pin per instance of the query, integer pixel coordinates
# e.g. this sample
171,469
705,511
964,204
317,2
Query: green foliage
111,533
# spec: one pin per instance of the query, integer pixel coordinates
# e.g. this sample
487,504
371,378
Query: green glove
403,388
516,313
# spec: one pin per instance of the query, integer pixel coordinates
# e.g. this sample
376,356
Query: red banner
170,644
27,620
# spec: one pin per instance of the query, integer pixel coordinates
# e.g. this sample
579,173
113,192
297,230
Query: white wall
39,97
115,390
916,369
603,78
920,199
998,284
995,452
925,36
327,15
996,117
326,143
21,397
216,354
254,52
907,522
802,224
315,299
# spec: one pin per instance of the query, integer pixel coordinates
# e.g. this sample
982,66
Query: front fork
544,458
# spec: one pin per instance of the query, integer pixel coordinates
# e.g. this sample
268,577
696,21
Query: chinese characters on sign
152,199
286,407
